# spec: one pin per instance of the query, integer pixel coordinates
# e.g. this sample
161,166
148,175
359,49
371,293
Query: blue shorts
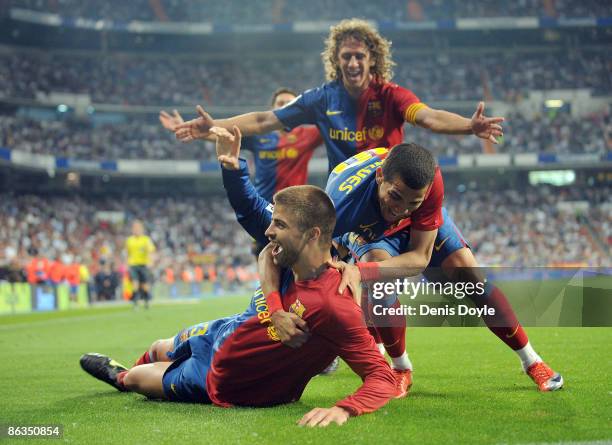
194,349
448,240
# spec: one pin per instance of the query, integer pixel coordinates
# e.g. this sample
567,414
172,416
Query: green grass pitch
468,387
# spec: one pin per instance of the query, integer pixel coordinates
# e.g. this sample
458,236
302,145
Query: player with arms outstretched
358,108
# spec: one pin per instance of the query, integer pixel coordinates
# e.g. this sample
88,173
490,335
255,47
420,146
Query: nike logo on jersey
332,113
439,246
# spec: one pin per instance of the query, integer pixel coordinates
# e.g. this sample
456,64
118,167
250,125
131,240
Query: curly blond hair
380,48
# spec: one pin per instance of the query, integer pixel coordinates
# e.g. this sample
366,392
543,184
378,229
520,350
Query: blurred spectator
106,282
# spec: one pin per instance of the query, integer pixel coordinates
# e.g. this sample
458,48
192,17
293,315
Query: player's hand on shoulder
351,278
227,146
291,329
198,128
324,417
170,121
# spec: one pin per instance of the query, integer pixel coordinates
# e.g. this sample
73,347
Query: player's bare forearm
258,122
440,121
445,122
408,264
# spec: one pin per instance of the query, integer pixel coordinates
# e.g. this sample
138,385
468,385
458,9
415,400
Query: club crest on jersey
291,138
297,308
376,132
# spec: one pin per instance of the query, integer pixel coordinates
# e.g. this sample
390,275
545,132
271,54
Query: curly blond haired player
359,108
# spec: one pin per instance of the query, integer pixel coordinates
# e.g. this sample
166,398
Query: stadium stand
164,81
280,11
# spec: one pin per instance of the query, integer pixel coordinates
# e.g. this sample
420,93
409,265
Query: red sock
120,377
144,359
504,323
394,339
392,330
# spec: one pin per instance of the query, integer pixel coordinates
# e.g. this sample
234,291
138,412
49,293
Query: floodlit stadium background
82,152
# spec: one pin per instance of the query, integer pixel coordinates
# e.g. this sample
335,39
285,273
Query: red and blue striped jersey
353,189
281,159
350,126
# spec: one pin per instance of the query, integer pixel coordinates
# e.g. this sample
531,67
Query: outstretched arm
253,212
258,122
440,121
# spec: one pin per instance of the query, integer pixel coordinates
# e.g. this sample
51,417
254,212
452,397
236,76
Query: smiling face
355,61
286,239
397,200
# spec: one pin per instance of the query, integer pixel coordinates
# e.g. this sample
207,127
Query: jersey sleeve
406,103
253,212
150,245
301,110
429,215
340,321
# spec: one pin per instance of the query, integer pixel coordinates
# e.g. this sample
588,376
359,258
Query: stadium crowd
281,11
187,232
537,226
141,80
558,133
163,81
134,139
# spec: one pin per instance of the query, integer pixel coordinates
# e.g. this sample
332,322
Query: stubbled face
355,62
286,240
281,100
397,200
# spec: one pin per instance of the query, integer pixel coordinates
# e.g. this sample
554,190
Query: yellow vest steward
139,250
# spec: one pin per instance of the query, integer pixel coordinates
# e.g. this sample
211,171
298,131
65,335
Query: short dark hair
311,207
414,165
281,90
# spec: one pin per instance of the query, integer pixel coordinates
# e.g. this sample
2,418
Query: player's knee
461,266
160,348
